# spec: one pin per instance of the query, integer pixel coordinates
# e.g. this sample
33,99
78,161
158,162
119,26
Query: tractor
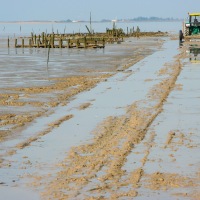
191,27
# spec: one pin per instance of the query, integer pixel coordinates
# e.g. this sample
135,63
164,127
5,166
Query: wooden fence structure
65,41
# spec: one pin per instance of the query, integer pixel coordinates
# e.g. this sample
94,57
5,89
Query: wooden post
15,43
39,38
8,42
68,45
42,37
60,43
35,37
77,43
52,40
45,43
32,36
49,41
85,42
30,43
22,42
103,42
38,43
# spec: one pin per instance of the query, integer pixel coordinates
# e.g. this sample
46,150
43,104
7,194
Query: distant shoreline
54,22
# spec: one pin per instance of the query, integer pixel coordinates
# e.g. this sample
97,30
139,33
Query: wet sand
38,86
128,137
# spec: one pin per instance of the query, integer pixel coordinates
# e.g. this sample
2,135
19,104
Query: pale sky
22,10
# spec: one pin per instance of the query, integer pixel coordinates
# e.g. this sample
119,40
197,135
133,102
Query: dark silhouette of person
195,21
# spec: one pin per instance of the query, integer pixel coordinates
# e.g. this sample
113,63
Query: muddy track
96,169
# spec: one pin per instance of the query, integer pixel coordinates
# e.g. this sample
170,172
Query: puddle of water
17,193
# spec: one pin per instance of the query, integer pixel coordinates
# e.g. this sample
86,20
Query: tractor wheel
180,35
186,31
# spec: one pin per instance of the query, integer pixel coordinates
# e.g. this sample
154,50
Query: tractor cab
191,25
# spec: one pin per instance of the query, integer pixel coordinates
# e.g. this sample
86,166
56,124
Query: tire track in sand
95,170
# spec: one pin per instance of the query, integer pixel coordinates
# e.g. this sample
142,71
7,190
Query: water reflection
30,51
194,54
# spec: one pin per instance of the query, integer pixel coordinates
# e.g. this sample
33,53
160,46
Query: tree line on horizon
133,19
137,19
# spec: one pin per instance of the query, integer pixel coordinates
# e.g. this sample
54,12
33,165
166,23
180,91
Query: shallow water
17,29
109,98
180,115
31,64
17,193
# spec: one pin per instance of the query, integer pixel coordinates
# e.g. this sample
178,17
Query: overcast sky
22,10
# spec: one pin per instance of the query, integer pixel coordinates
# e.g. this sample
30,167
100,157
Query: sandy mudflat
129,131
37,88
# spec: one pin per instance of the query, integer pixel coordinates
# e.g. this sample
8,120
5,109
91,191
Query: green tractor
191,26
